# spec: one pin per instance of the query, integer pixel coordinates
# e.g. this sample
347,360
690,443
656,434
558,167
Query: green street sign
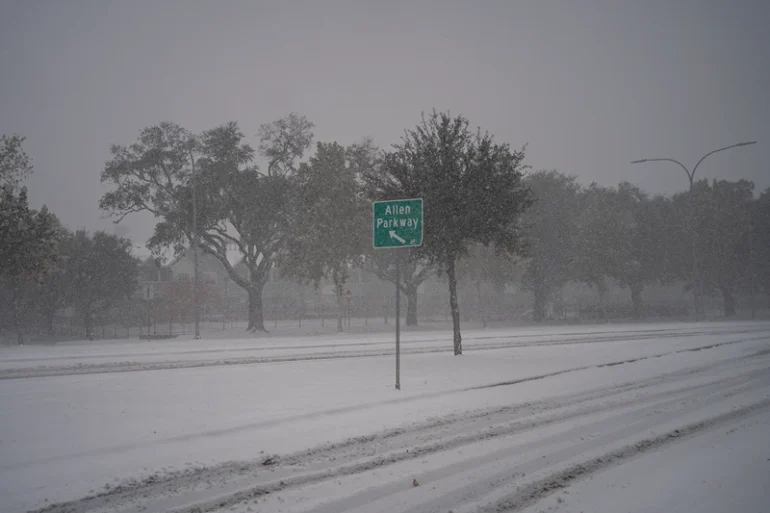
397,223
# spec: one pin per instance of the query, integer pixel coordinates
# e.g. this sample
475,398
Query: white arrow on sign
393,235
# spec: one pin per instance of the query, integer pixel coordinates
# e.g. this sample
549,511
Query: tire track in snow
362,407
289,474
579,405
620,362
537,490
226,501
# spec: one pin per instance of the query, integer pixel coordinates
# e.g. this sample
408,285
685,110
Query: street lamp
691,178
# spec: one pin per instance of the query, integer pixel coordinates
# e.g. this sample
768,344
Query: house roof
206,262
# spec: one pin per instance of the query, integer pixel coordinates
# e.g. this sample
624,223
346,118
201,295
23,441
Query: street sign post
397,224
398,323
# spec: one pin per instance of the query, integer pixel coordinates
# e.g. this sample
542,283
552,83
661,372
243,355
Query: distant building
209,268
152,279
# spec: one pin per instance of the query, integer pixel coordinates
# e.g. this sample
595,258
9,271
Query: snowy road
529,420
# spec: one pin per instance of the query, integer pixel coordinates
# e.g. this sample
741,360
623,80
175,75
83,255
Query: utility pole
697,283
196,281
225,305
149,312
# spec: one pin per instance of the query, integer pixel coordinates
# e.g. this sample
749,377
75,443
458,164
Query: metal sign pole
398,322
397,224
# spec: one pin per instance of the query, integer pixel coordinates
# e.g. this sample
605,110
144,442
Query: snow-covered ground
723,470
313,423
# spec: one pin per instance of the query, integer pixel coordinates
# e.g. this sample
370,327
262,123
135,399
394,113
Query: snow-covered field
590,418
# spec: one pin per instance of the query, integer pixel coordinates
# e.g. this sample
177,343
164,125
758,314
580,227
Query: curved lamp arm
721,149
689,175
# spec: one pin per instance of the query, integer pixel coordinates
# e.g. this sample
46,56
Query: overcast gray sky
590,85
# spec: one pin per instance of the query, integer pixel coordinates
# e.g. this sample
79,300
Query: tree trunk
17,320
49,322
256,315
541,298
602,291
729,301
454,307
604,307
87,322
636,298
411,308
338,288
482,310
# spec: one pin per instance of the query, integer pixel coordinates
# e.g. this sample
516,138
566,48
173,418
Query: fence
145,321
273,318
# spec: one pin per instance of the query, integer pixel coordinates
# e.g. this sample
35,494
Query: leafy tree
27,250
670,240
237,206
621,237
28,238
244,209
721,230
760,248
643,254
15,164
100,272
598,255
364,159
723,236
550,233
471,187
283,142
327,233
52,293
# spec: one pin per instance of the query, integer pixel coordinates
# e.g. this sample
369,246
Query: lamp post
697,285
752,271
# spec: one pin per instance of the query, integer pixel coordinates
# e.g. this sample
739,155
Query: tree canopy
100,271
328,224
471,188
237,206
550,235
28,237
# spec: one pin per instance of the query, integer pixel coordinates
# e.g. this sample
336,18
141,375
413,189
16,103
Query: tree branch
223,233
237,279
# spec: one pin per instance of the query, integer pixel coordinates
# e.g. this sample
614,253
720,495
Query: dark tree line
311,219
44,267
487,220
600,235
